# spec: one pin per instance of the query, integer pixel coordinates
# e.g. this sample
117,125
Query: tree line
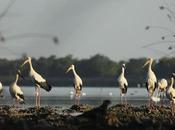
97,70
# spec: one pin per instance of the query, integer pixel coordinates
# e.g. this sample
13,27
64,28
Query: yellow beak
68,70
24,63
147,62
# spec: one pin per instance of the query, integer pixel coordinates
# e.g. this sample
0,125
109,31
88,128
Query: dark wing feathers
21,96
146,85
156,85
44,85
124,90
75,86
80,87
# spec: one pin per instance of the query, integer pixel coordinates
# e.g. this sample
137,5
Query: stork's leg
163,98
121,98
17,104
149,100
2,94
75,98
150,103
125,100
78,100
39,97
172,107
36,97
76,103
14,102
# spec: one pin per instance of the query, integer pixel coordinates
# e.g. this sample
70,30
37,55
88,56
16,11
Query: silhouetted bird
98,113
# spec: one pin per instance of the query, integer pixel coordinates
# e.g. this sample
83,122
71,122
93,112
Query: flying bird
38,80
77,83
16,91
151,80
123,84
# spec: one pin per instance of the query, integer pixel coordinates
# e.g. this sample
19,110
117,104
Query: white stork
77,83
1,90
151,80
170,93
38,80
16,92
123,84
162,86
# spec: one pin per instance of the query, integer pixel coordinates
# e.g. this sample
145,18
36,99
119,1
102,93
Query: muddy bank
85,117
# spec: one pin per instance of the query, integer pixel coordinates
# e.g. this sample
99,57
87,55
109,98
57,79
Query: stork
162,86
170,93
1,90
38,80
123,84
16,92
151,80
77,83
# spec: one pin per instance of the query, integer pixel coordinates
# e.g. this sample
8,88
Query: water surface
63,96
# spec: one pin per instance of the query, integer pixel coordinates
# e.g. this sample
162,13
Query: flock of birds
39,82
151,84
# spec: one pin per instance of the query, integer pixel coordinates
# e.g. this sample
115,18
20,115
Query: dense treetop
96,70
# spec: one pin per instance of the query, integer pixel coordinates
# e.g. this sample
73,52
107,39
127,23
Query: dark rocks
118,117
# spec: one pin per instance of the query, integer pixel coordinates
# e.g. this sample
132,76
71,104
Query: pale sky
114,28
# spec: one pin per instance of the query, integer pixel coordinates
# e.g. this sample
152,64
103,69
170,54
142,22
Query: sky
114,28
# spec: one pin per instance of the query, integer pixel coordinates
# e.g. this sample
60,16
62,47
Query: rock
115,117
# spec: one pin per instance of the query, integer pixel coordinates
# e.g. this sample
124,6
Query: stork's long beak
24,63
68,69
19,73
147,62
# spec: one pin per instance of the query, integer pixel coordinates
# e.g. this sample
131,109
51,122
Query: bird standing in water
151,80
77,83
16,91
170,93
1,90
38,80
123,84
162,86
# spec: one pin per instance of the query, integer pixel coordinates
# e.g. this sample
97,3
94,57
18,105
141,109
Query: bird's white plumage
39,81
155,99
1,88
162,85
33,74
123,84
171,91
77,84
121,79
77,80
15,90
151,79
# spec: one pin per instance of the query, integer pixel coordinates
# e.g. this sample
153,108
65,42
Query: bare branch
158,42
2,14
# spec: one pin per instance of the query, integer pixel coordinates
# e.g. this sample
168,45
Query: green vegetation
98,70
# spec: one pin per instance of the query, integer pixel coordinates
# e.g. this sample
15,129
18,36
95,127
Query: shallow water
63,96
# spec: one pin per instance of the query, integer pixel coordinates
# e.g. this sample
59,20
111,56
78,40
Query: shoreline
84,117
